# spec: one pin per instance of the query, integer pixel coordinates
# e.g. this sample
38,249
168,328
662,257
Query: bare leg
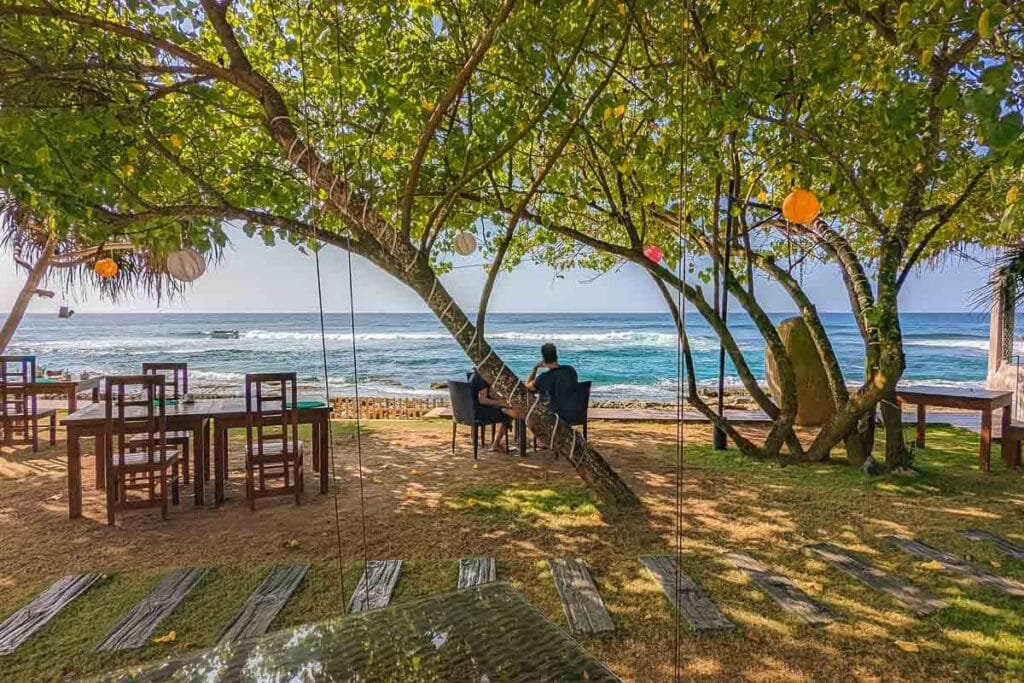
499,437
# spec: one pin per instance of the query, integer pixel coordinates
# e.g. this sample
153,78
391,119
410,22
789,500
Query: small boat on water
224,334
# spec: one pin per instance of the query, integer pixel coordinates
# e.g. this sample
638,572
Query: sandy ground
412,504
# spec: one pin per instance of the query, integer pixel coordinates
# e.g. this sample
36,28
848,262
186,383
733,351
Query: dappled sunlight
430,507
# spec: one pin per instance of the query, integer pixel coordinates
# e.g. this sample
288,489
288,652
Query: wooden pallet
375,586
919,600
782,590
256,615
1006,547
476,571
685,595
959,565
584,609
135,628
24,623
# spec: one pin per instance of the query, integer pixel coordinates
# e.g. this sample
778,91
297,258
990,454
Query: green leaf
1004,132
948,96
985,24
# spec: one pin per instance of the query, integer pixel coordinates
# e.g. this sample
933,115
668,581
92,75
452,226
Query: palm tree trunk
35,277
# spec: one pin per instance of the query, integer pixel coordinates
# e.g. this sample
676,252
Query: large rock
814,405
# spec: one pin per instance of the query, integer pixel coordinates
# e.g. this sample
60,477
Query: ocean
627,356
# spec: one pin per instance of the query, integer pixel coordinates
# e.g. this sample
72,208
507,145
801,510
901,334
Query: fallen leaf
934,565
906,646
168,637
470,502
291,543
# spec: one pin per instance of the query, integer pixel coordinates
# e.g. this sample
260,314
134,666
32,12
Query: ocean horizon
628,356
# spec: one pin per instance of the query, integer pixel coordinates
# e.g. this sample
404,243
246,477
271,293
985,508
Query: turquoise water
628,356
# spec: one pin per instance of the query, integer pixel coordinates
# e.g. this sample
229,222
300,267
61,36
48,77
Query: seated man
556,386
490,409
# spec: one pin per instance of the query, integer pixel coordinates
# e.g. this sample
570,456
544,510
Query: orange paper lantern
106,268
801,206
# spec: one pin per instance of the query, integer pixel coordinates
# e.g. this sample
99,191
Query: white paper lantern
186,265
465,243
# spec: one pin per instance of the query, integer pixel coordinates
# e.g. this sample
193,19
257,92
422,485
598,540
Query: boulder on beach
814,405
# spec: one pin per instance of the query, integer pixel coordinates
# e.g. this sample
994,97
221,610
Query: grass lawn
429,508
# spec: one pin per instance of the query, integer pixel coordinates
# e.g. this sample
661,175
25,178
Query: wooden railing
384,408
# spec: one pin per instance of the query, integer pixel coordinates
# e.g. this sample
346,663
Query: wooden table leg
220,461
74,474
315,451
200,442
96,395
922,415
72,400
323,449
101,461
1006,448
985,453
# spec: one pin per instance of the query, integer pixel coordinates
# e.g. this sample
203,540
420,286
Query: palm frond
1007,280
140,270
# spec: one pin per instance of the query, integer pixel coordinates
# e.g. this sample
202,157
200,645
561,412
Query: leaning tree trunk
35,277
564,440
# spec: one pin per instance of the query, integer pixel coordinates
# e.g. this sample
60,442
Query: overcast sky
256,278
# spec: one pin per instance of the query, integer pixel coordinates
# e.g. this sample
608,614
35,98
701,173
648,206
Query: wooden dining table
70,387
986,401
196,418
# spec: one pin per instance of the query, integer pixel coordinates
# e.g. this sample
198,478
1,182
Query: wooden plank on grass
255,616
476,571
24,623
1006,547
782,590
919,600
956,564
135,628
375,586
684,593
584,609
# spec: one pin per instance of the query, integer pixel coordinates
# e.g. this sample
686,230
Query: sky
256,278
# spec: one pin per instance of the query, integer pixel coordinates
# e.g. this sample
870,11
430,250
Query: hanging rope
315,220
681,265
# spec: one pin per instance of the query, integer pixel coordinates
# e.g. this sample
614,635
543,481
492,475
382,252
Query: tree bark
898,455
35,277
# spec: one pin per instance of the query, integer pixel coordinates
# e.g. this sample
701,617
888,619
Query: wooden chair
134,405
176,379
19,408
272,446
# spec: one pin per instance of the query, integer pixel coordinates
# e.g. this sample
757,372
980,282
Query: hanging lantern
801,206
186,265
465,243
654,253
106,268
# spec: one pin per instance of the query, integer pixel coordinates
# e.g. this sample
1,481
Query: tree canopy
576,133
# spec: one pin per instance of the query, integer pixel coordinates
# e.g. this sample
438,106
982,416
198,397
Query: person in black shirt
555,386
490,409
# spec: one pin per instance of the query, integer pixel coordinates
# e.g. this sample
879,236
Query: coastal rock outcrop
814,405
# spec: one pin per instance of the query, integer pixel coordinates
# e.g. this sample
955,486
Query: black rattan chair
466,411
574,411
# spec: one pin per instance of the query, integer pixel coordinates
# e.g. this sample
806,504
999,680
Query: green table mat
309,404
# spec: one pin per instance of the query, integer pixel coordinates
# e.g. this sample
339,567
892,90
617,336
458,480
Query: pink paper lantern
653,252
